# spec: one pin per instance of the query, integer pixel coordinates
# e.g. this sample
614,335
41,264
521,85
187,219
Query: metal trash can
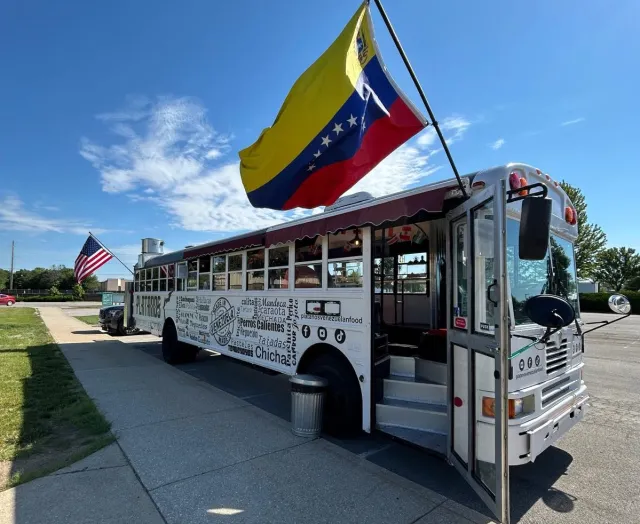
307,403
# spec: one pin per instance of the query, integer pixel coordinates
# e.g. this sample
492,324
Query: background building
113,284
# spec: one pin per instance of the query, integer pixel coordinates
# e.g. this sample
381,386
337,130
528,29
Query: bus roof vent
349,200
152,245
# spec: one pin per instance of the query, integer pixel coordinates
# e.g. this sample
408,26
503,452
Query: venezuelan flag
341,118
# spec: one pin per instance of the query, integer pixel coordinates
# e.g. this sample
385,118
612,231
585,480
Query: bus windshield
555,274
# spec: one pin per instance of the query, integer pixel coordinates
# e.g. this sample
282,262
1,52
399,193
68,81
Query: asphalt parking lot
591,475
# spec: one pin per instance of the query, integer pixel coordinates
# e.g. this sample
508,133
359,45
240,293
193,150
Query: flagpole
113,254
434,122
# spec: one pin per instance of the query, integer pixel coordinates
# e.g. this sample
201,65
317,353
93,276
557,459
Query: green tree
21,279
591,239
616,266
633,284
67,279
54,291
78,292
91,283
4,279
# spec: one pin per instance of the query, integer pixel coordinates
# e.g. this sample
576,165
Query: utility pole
11,272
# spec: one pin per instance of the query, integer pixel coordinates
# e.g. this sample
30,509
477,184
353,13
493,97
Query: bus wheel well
313,352
343,399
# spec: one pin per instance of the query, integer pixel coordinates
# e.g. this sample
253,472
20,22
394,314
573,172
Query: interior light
356,240
478,185
538,171
548,177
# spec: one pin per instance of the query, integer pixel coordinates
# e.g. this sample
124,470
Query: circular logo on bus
223,321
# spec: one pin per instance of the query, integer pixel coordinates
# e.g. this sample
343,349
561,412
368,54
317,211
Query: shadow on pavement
88,332
270,392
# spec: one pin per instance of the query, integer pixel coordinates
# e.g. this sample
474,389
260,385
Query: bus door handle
495,283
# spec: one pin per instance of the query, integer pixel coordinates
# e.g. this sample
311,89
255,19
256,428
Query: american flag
91,258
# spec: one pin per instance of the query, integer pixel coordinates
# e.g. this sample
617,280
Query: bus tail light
514,181
570,215
516,407
524,183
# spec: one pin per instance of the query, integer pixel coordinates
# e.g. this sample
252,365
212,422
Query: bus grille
557,355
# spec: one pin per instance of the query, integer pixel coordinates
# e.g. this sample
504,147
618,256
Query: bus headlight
517,406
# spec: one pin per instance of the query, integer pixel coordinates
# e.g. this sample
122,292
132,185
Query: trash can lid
309,380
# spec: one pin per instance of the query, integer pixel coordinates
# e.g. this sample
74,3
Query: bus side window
219,268
484,270
277,275
345,259
156,279
234,271
171,277
192,275
255,270
149,279
181,276
460,294
204,274
308,262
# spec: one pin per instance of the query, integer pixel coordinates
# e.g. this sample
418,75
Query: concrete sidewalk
187,452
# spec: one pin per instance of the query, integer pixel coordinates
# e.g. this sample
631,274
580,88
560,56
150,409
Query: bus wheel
170,344
343,399
174,351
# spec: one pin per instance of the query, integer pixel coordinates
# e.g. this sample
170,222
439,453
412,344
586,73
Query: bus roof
373,211
427,198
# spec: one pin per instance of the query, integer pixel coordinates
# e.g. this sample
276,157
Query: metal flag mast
114,256
434,122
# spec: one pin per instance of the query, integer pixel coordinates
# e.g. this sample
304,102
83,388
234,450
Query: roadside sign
112,299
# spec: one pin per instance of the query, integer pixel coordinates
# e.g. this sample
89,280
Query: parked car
7,300
111,320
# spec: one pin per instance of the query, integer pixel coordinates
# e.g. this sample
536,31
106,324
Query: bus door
478,346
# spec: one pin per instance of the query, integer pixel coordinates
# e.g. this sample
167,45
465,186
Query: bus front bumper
529,440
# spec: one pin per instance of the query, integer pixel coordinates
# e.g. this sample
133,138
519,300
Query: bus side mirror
535,223
549,311
620,304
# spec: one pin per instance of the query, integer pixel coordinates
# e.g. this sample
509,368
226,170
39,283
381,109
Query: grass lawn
47,421
92,320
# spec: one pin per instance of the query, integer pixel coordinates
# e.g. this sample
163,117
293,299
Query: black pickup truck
111,320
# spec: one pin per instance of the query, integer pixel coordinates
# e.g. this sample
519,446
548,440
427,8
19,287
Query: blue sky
125,118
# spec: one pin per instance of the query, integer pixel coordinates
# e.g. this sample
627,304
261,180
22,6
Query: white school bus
417,307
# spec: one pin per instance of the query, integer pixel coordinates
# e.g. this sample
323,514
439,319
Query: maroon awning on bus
429,201
254,239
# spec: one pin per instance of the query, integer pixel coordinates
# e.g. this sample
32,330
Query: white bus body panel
272,329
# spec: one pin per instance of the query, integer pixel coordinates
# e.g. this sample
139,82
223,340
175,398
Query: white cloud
165,153
14,216
574,121
403,168
497,144
453,128
428,137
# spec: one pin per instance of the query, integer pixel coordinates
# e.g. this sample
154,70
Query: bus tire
342,415
121,331
173,351
170,344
